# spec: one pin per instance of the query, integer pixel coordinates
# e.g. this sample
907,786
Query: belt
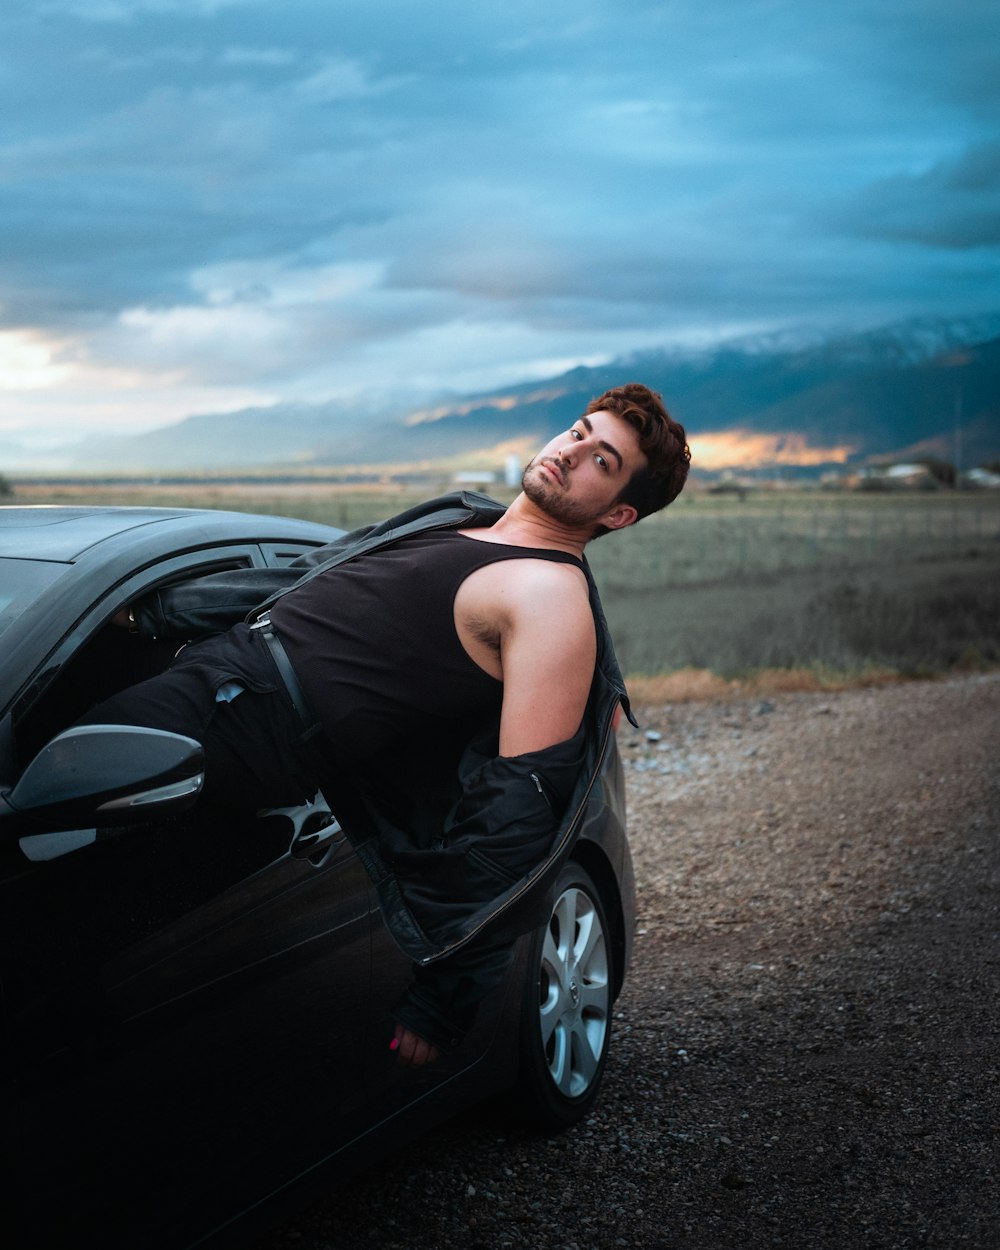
283,664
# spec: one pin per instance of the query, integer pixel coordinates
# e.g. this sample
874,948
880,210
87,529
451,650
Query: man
444,678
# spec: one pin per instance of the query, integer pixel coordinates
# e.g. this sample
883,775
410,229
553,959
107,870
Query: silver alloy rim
575,993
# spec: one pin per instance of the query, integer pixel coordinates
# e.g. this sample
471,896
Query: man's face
578,476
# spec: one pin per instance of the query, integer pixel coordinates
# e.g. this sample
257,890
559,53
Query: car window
284,553
21,582
103,659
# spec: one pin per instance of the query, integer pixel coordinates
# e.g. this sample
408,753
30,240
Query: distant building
730,483
474,477
981,479
913,476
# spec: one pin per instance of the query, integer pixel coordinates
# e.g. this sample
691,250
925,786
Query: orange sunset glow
743,449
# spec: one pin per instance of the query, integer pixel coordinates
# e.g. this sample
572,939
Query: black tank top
374,644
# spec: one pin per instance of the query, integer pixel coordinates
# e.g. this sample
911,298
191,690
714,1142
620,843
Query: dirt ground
806,1054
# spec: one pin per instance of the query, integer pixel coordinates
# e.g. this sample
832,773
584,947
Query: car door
185,1003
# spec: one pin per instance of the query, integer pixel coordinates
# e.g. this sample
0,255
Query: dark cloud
954,205
527,182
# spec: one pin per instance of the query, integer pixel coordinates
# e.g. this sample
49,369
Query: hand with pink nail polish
412,1051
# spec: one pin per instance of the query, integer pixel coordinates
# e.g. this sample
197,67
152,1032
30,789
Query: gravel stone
806,1053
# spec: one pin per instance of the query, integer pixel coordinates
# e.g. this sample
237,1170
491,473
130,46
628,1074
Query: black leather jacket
460,849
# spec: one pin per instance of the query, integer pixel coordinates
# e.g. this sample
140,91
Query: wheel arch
590,855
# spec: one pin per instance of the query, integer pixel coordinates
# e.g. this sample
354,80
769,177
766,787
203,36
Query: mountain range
928,388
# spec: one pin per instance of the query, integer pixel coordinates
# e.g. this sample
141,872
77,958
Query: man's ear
620,516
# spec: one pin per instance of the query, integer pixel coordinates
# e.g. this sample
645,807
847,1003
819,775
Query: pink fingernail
394,1044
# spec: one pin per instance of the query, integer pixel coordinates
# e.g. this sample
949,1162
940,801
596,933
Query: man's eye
575,434
601,461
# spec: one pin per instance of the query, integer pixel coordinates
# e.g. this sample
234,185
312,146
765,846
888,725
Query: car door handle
315,829
317,836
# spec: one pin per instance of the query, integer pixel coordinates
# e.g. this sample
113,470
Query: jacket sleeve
501,829
211,604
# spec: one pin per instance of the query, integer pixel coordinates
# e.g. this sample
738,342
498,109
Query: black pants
255,752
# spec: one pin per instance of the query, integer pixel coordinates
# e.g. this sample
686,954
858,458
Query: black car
195,1016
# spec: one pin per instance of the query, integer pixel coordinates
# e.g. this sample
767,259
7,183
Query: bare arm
548,648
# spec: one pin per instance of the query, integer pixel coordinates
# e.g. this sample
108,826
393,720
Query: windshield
21,582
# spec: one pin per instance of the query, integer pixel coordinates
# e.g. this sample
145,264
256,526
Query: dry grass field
770,591
839,587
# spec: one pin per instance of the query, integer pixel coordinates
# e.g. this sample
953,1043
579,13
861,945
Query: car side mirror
104,775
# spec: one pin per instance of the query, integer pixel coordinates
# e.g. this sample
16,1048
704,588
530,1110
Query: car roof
64,533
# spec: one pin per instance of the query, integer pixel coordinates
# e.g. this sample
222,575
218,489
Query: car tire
566,1013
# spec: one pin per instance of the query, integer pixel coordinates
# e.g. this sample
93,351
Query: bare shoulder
555,576
528,589
542,602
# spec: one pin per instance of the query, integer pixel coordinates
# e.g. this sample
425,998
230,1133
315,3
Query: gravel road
806,1054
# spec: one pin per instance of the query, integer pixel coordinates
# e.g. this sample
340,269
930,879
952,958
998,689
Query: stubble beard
548,496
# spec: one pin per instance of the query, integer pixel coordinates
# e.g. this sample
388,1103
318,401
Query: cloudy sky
212,204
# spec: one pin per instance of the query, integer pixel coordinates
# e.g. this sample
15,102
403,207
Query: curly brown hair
661,439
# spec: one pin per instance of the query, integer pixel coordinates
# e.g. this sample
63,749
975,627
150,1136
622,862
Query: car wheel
566,1016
